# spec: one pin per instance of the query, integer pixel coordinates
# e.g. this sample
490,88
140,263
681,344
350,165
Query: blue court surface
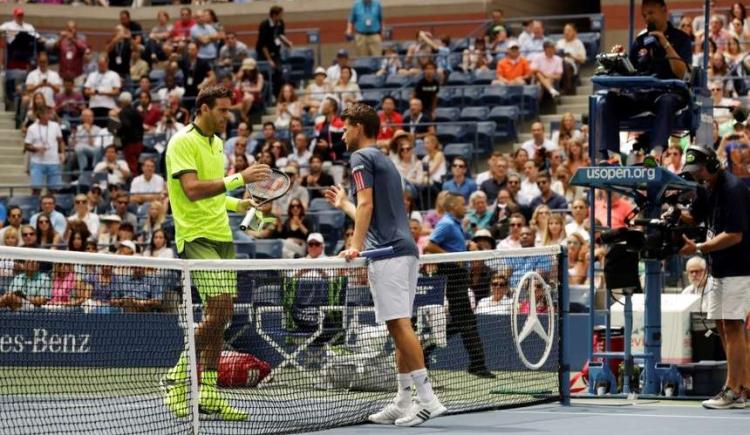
584,417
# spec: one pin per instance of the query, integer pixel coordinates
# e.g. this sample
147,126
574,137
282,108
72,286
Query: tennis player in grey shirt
380,220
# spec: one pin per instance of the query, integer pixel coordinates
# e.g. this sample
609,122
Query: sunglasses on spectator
695,271
459,166
80,201
715,89
295,206
314,244
122,202
513,182
516,225
349,234
500,283
405,149
43,221
28,234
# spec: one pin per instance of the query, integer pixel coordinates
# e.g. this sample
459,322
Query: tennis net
89,342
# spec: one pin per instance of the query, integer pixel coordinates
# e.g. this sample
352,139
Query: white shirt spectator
574,48
489,306
529,191
574,228
303,160
509,243
547,65
37,77
530,147
101,137
334,72
103,83
91,220
12,28
140,185
482,177
115,177
164,252
46,136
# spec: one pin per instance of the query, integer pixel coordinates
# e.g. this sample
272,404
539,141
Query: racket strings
276,185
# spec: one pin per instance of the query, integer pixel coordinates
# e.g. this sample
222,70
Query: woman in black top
295,229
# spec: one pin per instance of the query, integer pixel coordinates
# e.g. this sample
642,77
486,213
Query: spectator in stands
101,87
514,185
126,231
269,226
66,286
568,130
554,232
160,33
529,188
69,102
121,210
427,88
406,162
330,127
243,133
476,56
479,216
137,291
44,142
505,206
17,66
205,36
46,235
620,209
365,26
88,141
718,68
391,64
150,112
118,170
433,162
390,119
576,157
416,119
460,183
495,25
315,246
108,231
527,237
695,268
441,51
268,46
279,150
317,180
498,177
232,53
316,92
28,237
77,239
44,80
83,214
301,154
239,157
538,142
577,264
547,68
195,70
574,55
156,215
15,217
249,84
415,228
515,223
499,302
119,50
513,69
130,130
579,224
547,196
95,200
534,44
159,246
295,229
148,186
417,54
287,107
734,53
673,159
345,89
538,223
182,27
333,73
32,285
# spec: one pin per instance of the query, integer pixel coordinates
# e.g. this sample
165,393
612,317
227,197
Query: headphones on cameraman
712,163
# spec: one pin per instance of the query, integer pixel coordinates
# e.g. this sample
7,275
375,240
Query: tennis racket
374,254
262,192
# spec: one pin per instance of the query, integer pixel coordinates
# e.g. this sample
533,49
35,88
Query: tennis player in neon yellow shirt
197,194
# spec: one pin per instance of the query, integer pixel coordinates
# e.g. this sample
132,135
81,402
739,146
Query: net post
191,350
564,303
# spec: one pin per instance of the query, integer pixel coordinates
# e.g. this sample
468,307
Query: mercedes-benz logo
529,282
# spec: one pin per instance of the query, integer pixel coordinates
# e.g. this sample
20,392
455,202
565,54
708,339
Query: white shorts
729,298
393,283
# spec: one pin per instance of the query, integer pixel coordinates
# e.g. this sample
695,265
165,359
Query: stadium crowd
96,128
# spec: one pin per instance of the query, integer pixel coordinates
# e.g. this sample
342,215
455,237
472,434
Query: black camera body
614,64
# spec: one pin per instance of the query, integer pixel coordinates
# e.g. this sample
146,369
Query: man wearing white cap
316,91
513,69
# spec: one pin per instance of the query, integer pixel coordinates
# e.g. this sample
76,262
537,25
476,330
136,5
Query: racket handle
374,254
248,218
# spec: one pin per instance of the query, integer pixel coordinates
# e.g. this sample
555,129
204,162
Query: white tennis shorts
729,298
393,283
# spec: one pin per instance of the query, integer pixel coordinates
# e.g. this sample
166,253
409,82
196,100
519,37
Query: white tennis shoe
389,414
420,412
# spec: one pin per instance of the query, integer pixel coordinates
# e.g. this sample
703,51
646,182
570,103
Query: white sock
424,388
403,396
554,92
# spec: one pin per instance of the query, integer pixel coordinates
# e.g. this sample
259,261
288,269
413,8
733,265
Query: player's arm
362,218
196,189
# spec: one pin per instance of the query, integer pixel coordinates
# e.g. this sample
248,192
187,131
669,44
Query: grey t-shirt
389,225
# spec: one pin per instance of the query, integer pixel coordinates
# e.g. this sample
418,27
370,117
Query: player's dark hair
210,94
364,115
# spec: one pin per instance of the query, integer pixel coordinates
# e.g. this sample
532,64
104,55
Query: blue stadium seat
403,96
370,81
365,65
464,150
372,97
493,96
485,136
64,203
301,59
245,248
447,98
270,248
470,95
396,45
446,114
320,204
483,77
396,81
457,78
331,226
592,42
85,180
448,133
505,118
476,113
460,44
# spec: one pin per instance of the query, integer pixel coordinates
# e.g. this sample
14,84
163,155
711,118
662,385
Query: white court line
615,414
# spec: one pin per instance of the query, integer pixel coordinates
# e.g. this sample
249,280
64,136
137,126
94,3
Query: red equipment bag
237,369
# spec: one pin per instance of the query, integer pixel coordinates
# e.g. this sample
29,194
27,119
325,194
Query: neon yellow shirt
190,151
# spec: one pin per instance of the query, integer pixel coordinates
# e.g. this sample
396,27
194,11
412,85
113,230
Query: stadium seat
150,141
370,81
485,137
156,75
301,60
477,113
235,219
446,114
448,133
505,119
365,65
447,98
396,82
320,204
403,96
245,248
458,78
483,77
64,203
493,96
470,95
372,97
270,248
331,226
85,180
460,44
464,150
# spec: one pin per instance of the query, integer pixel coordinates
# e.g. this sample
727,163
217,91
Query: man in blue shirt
448,236
205,36
548,197
366,25
460,183
380,220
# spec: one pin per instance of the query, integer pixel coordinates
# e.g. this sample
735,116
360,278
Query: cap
291,169
484,235
398,135
342,53
320,70
128,244
110,218
696,157
249,63
315,237
513,44
17,11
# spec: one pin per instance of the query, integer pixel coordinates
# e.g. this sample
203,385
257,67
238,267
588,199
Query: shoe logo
423,414
532,282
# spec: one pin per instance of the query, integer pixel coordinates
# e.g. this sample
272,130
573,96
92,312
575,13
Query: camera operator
725,208
663,51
